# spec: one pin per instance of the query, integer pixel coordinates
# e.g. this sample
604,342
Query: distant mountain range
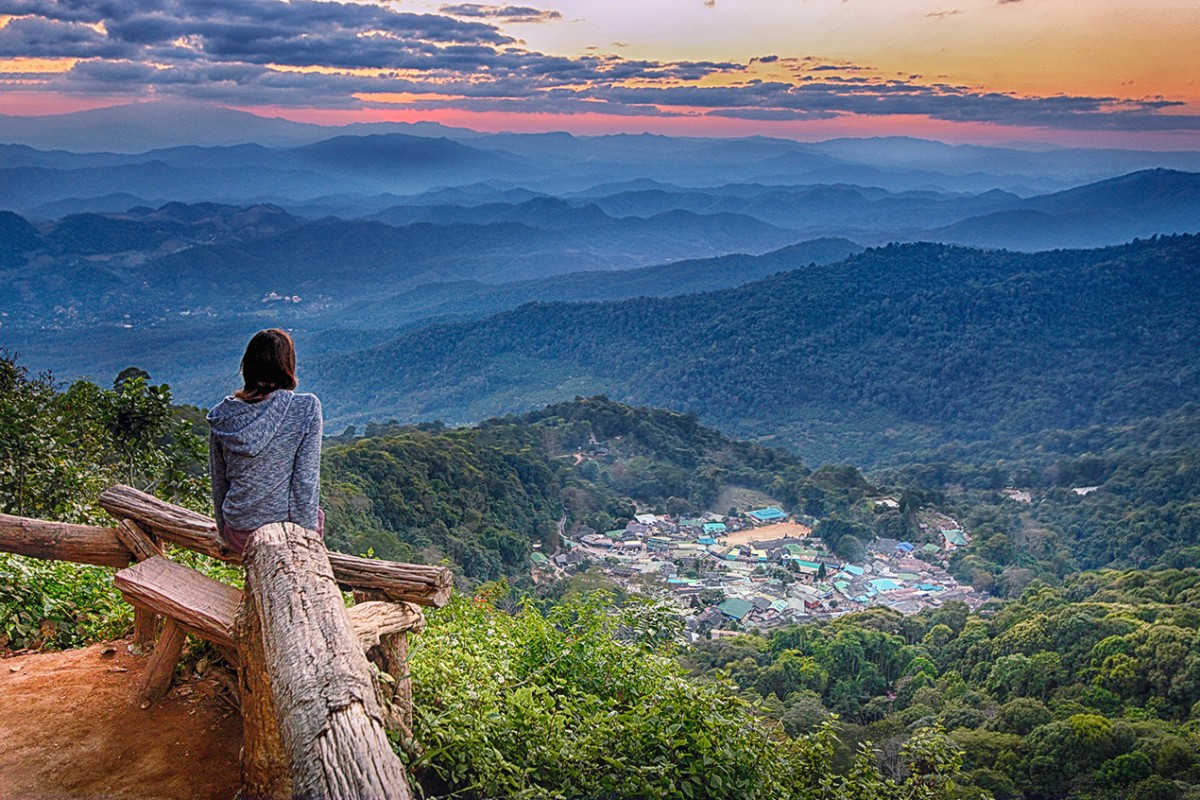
139,127
1141,204
225,259
193,152
725,276
896,349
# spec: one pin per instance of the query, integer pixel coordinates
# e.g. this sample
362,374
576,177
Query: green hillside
897,350
1089,690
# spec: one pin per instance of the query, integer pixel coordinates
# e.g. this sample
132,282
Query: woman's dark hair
269,364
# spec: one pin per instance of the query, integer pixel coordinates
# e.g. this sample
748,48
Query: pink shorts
237,539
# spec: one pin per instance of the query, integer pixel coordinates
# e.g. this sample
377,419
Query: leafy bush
58,604
561,704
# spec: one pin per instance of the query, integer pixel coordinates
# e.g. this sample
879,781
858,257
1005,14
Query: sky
1073,72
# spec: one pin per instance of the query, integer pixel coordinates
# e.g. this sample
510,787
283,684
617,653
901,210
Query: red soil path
70,728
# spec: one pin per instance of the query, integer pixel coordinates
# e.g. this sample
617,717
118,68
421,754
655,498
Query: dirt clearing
766,533
70,728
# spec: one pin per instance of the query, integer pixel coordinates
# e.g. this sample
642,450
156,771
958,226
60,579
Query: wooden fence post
265,773
331,721
145,621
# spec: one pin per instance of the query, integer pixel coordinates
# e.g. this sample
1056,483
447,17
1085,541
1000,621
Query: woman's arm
220,482
306,472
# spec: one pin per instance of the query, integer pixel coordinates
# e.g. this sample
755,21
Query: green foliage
956,345
57,604
1141,508
482,497
479,497
59,448
1091,689
558,705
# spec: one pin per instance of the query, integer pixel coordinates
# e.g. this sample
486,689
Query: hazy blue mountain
1076,164
226,259
194,152
104,204
17,238
401,155
875,213
475,194
894,349
1141,204
538,212
138,127
173,226
473,299
25,187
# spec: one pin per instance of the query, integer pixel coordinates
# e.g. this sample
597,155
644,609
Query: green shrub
558,705
58,604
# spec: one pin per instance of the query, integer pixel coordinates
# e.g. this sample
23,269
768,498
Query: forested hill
484,495
895,350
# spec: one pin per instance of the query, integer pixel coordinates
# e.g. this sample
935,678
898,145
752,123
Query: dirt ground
70,728
765,533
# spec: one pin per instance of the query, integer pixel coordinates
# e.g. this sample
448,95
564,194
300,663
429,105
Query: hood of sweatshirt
246,428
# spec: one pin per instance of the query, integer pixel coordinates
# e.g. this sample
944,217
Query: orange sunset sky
1094,72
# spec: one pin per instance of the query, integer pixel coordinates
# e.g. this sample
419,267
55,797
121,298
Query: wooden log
174,523
133,537
391,656
145,622
372,621
265,773
60,541
202,605
395,655
331,721
145,629
157,679
414,583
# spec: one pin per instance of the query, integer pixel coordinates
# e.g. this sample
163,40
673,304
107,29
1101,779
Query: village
763,569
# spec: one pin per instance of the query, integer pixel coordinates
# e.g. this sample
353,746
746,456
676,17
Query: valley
819,448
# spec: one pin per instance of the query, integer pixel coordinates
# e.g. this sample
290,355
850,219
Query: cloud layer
309,53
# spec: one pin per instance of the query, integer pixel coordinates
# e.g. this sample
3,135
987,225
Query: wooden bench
194,603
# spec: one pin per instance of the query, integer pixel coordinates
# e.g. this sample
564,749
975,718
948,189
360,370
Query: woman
264,449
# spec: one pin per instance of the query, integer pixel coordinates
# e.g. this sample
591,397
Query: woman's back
264,449
268,456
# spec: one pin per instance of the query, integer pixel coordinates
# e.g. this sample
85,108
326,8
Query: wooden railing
314,714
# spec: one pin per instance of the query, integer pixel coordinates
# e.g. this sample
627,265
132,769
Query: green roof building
735,608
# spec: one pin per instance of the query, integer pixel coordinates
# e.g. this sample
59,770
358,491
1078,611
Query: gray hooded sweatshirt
265,459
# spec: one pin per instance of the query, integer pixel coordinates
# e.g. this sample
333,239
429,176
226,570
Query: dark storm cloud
310,53
34,37
761,101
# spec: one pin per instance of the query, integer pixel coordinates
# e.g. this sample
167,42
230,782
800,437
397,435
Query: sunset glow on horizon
1098,73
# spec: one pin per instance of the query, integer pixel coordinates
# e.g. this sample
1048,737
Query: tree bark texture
382,630
204,606
60,541
167,652
265,773
414,583
331,721
145,622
